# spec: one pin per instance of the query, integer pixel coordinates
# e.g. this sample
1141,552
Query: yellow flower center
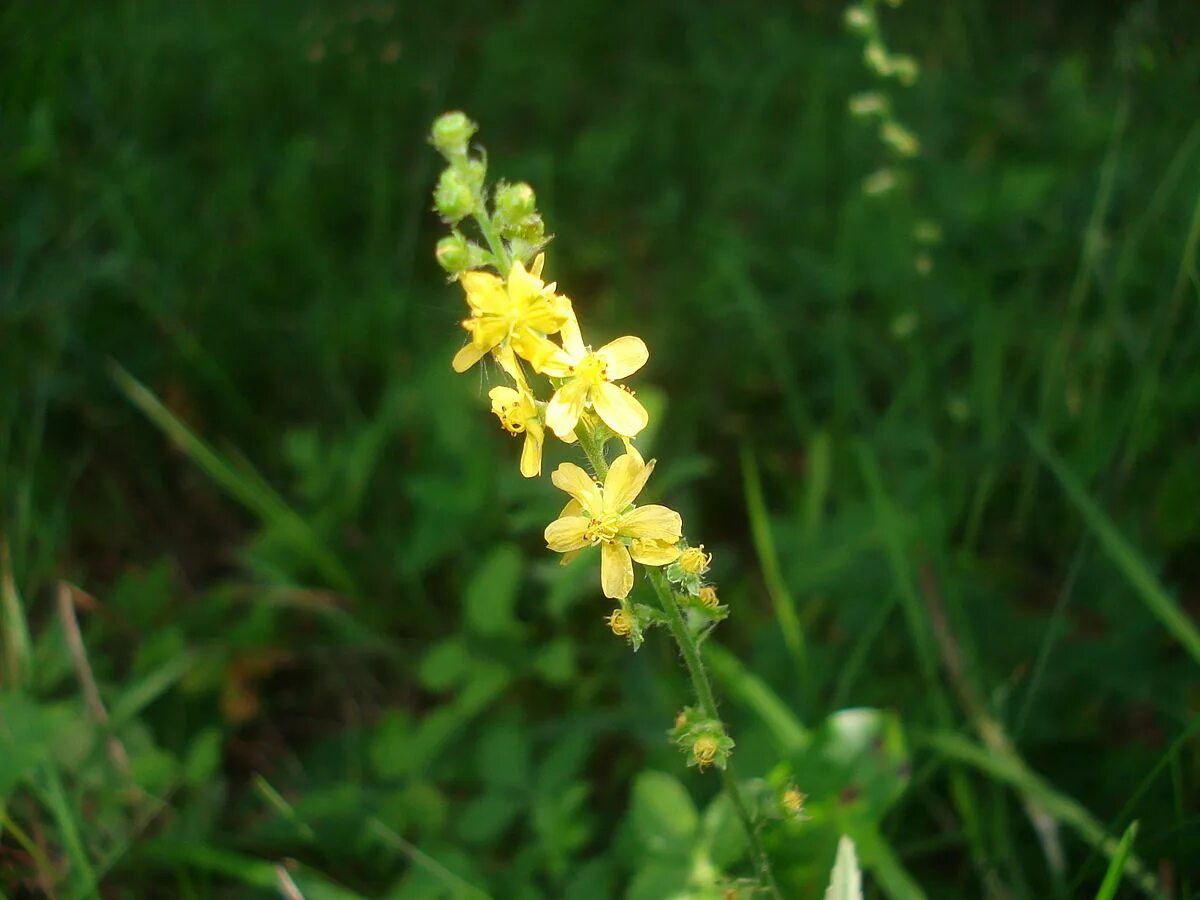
708,597
694,560
512,416
619,622
592,369
704,751
602,529
793,801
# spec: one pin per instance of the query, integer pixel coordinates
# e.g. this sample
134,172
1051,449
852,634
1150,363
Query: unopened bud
454,253
708,597
877,59
859,19
868,103
450,133
453,197
905,69
899,138
515,202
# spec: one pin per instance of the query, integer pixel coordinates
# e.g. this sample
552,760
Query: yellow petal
531,453
508,362
654,553
536,269
576,482
572,338
466,357
563,535
568,557
626,477
565,407
502,395
655,523
485,292
535,347
521,284
541,315
488,332
616,571
619,409
571,509
559,365
624,356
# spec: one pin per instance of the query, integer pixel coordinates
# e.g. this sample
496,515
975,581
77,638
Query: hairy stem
701,686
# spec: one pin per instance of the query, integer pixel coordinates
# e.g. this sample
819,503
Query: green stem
484,221
702,687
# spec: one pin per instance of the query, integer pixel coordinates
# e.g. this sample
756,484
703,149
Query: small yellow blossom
518,413
694,561
708,597
704,750
589,381
605,516
619,622
516,314
793,801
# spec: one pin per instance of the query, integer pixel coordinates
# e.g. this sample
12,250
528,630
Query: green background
311,584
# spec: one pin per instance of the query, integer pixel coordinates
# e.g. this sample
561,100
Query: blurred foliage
333,656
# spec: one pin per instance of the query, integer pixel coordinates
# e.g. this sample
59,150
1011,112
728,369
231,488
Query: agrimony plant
562,387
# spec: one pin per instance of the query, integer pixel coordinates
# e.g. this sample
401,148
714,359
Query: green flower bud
450,133
905,69
454,199
514,203
859,19
454,253
899,138
877,59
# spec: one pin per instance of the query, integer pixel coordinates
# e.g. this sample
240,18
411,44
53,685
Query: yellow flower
694,561
708,597
705,750
518,413
590,376
619,622
517,314
605,516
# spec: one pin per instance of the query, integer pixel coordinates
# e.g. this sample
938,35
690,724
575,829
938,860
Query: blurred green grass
311,587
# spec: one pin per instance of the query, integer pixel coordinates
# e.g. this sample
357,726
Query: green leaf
845,881
27,733
664,817
491,596
445,665
392,749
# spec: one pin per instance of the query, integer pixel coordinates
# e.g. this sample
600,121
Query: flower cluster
558,384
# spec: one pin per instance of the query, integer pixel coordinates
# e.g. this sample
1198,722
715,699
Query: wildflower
694,561
868,103
589,382
516,314
518,413
879,182
704,750
877,59
708,597
792,801
619,622
605,516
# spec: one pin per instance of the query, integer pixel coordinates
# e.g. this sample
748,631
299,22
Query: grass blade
249,490
1127,560
782,601
758,696
1112,878
1012,770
